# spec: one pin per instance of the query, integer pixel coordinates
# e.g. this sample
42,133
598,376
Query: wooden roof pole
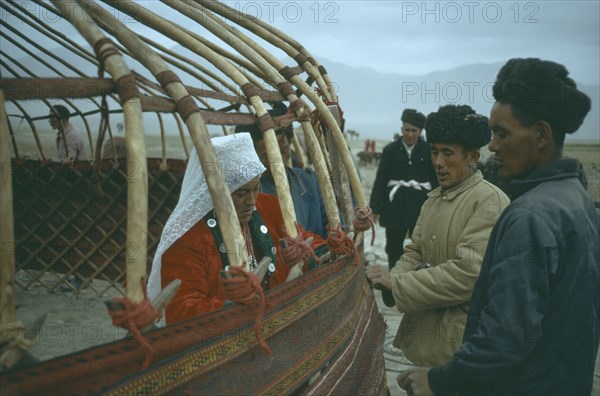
19,11
254,25
263,60
168,28
137,181
229,223
218,27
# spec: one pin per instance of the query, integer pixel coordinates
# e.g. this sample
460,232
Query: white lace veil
238,163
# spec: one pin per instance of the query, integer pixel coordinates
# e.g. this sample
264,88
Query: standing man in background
404,177
72,147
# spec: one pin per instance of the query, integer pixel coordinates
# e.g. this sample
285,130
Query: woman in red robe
198,254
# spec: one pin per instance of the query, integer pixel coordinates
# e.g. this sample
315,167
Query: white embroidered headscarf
239,164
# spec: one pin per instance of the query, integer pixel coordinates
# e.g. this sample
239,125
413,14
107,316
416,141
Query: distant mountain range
372,101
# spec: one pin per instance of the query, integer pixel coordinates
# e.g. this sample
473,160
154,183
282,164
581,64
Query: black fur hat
541,90
453,124
412,116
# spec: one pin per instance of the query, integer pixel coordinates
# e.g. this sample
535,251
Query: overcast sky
416,37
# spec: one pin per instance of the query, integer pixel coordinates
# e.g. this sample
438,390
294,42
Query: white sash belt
396,184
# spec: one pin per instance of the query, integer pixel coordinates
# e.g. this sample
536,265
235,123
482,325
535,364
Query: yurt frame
61,207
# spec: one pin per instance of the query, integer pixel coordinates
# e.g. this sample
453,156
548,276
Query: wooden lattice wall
71,220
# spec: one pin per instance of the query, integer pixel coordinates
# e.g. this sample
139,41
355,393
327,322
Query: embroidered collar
261,239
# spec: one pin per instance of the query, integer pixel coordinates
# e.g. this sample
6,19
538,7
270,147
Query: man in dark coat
534,322
404,177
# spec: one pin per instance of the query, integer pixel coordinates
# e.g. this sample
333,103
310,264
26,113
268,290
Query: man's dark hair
453,124
62,112
278,109
540,90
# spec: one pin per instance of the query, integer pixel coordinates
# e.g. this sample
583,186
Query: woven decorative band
286,89
312,60
249,90
127,88
322,70
287,72
186,106
102,54
300,58
167,77
265,122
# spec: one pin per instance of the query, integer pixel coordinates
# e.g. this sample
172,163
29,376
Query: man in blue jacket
534,321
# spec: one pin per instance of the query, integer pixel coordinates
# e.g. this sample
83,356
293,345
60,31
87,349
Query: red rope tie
133,318
341,244
244,288
336,103
297,250
363,220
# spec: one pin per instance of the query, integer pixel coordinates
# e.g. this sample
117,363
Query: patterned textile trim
177,370
319,358
361,358
99,369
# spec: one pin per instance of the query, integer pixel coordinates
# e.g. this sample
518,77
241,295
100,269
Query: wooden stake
7,240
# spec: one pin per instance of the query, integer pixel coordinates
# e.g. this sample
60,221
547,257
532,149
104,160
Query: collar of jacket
258,231
449,195
67,129
555,170
418,145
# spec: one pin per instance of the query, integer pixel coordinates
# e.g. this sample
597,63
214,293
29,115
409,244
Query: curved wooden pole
255,53
328,118
256,26
36,136
301,158
340,177
264,61
229,223
166,27
182,136
137,180
13,140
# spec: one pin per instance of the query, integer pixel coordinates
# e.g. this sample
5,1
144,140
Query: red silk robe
195,260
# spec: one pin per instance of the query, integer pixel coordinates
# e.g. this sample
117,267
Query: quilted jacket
533,326
451,235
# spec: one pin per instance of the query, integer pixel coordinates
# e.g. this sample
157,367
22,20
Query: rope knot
134,317
297,249
363,220
340,243
244,288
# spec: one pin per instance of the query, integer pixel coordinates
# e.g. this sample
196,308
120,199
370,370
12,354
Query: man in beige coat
433,281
